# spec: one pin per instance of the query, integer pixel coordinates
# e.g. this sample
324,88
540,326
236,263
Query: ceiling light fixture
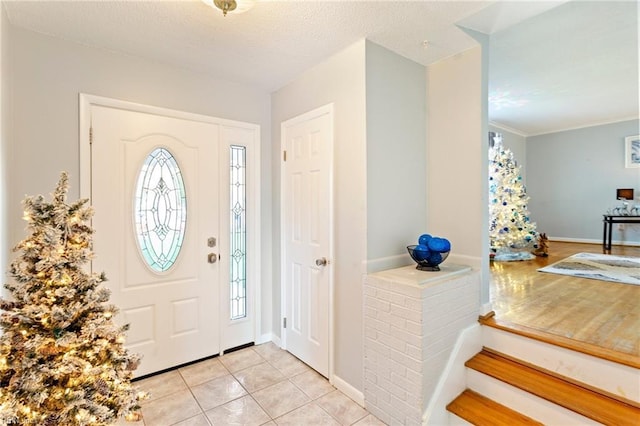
226,6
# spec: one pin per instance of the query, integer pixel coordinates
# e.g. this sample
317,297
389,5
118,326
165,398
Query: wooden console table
608,222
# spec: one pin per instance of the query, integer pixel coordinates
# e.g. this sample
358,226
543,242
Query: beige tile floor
259,385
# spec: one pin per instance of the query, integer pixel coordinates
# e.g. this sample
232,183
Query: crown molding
508,129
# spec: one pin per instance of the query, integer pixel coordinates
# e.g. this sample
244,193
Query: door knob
321,262
212,258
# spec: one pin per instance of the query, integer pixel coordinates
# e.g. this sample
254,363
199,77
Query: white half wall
339,80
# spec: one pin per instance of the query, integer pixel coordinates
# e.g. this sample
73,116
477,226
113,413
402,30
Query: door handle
212,258
321,262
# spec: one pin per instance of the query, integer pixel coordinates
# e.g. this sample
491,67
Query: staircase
519,380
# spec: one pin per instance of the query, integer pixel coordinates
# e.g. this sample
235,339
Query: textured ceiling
266,46
570,66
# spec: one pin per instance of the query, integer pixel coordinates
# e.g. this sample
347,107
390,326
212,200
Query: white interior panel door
173,311
307,141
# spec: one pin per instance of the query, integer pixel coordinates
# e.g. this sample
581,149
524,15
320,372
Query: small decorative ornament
435,258
133,417
50,349
439,245
424,239
430,252
421,252
102,387
542,247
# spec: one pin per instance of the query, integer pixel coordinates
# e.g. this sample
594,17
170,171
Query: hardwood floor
598,317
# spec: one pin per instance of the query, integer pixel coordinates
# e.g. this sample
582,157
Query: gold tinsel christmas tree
62,357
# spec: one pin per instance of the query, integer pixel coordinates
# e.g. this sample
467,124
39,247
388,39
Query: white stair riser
523,402
617,379
457,421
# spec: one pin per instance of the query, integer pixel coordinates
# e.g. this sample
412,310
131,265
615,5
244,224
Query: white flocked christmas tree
510,228
62,357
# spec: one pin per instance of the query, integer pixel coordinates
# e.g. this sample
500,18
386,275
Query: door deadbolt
212,258
211,242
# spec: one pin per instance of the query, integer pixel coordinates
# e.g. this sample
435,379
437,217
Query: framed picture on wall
632,151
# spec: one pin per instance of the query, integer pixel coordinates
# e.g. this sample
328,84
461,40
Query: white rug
605,267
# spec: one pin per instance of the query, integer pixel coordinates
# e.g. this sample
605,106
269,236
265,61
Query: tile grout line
195,399
273,419
250,394
270,360
288,379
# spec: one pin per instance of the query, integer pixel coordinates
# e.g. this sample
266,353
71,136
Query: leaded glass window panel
238,249
160,210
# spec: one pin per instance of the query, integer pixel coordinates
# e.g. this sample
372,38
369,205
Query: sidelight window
238,237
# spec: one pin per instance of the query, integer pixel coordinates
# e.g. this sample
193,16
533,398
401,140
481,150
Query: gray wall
396,153
5,137
572,177
47,76
339,80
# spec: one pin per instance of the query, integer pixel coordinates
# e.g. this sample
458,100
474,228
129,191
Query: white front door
158,245
306,227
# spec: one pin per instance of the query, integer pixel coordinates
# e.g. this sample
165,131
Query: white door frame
326,109
86,101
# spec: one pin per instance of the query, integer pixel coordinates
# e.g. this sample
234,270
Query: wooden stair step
561,341
482,411
553,388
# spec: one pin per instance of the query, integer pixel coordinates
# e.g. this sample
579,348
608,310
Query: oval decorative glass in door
160,210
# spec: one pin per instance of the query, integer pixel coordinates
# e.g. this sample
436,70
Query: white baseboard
626,243
276,340
266,338
575,240
592,241
344,387
389,262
